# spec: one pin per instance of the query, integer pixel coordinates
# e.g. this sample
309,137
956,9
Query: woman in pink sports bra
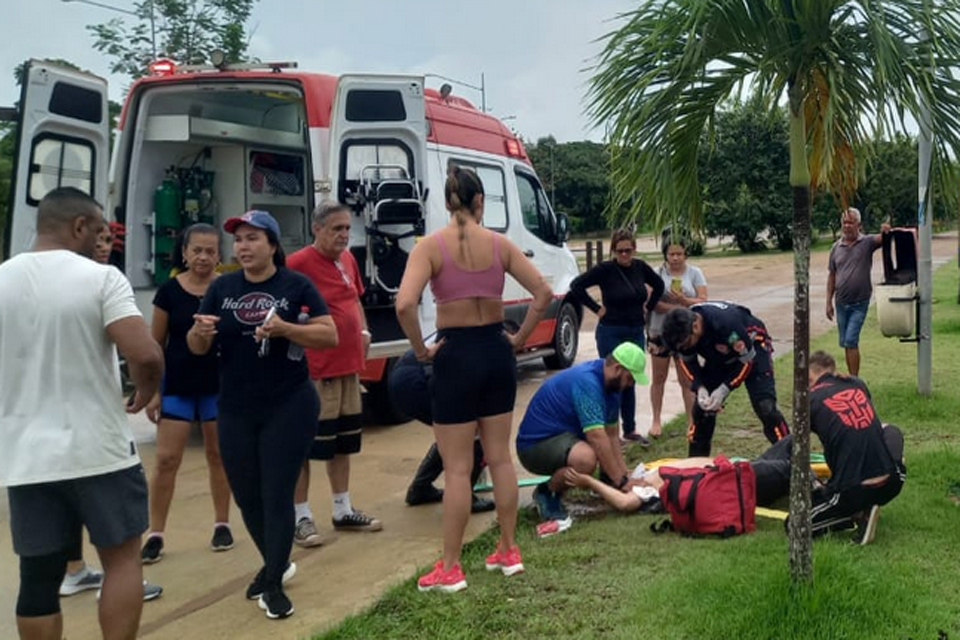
474,381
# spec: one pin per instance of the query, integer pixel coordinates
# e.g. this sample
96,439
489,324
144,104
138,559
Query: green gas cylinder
166,204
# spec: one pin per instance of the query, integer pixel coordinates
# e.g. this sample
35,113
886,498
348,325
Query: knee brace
40,578
774,425
700,434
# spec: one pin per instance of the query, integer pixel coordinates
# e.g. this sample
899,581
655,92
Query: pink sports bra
453,282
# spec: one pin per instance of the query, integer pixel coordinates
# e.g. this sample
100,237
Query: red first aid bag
720,499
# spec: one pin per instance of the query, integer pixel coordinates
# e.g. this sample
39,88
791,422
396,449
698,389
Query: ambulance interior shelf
185,128
277,183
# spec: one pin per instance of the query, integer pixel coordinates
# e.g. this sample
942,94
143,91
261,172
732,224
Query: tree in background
849,71
185,31
574,174
7,138
743,165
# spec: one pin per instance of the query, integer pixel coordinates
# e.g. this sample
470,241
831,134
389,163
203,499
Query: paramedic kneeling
572,422
865,457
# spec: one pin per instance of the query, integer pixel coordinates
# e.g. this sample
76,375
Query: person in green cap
572,421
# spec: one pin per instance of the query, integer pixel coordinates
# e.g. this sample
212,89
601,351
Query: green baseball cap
631,357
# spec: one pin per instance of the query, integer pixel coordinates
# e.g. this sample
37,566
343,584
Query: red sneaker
549,528
509,561
446,581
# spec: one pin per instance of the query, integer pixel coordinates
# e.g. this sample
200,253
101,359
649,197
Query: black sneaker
152,551
276,604
222,538
481,505
423,494
357,521
255,590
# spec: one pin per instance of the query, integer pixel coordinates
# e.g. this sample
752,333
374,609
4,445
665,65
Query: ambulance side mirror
563,227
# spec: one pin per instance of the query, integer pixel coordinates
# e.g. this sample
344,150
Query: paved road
204,591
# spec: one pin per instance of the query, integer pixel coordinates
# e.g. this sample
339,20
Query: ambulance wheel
566,338
378,409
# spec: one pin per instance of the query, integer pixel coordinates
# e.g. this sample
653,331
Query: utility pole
924,259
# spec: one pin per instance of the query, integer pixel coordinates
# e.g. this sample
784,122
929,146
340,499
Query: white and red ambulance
206,143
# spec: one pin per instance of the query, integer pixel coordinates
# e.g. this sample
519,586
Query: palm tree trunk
799,529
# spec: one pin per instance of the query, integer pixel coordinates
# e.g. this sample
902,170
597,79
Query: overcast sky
532,52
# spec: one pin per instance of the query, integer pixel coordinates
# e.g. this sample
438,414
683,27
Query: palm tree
849,72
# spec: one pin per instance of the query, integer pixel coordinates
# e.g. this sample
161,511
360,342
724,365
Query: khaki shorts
339,425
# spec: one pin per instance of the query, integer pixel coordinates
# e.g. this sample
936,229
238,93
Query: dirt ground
203,591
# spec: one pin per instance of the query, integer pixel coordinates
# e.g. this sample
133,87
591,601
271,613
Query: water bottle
295,351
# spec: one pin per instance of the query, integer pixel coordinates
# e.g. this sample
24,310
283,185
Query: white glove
716,399
703,398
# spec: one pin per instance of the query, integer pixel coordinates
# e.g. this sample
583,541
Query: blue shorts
189,408
850,319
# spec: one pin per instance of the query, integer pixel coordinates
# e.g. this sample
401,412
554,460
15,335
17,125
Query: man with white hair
851,259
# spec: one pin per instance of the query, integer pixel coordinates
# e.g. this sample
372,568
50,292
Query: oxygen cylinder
166,204
166,216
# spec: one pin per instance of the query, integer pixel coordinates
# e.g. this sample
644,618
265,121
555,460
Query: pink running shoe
549,528
509,561
446,581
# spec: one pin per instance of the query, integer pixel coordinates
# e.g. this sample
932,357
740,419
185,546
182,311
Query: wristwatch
623,481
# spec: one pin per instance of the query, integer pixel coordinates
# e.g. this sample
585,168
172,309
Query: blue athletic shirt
246,379
573,401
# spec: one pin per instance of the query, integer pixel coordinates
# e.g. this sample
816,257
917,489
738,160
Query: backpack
720,499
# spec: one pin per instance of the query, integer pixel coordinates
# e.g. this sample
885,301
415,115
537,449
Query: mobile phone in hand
265,343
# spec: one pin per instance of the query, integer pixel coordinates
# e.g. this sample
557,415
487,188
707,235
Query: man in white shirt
69,459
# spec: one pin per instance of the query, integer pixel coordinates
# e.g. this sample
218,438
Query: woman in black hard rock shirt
268,407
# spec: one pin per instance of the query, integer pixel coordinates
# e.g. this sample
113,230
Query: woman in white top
684,285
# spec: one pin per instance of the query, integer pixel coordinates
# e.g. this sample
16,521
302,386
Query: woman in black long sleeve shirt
623,283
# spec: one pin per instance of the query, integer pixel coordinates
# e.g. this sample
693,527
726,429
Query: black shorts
474,374
48,517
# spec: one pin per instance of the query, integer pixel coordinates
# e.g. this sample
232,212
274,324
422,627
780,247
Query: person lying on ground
771,468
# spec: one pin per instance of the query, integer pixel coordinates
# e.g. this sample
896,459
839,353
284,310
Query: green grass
610,577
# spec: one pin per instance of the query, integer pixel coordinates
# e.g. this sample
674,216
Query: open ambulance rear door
378,165
378,148
63,141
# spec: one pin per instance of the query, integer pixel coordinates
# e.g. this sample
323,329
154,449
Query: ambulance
203,143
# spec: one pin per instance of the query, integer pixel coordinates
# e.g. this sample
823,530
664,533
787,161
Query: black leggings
263,450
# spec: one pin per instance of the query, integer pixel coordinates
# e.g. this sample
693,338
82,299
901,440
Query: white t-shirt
61,405
688,282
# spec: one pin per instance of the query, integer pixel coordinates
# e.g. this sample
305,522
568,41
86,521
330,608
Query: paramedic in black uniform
736,349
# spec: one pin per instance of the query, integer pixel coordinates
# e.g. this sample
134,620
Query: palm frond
864,69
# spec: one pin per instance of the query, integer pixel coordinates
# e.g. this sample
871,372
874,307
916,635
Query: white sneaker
83,580
150,591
